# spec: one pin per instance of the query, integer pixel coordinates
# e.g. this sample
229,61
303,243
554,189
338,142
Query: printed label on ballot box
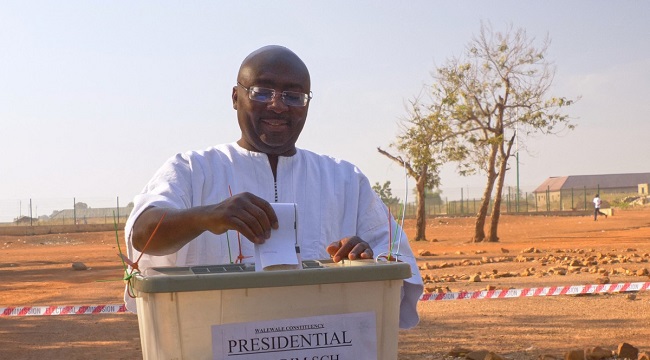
324,337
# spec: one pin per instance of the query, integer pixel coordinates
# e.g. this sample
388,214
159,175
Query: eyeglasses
265,95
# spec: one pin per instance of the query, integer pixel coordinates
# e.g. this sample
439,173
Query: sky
96,95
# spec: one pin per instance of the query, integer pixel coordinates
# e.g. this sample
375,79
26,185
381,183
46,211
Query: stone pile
560,262
622,352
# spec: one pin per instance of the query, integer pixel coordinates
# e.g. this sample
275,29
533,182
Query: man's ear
234,97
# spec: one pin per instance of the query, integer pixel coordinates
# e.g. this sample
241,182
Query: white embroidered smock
334,200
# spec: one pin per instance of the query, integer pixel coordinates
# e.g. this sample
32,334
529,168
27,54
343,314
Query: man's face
272,128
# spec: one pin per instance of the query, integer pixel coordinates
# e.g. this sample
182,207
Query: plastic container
177,306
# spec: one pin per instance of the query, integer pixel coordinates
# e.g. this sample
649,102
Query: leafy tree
81,205
385,193
486,99
422,154
433,196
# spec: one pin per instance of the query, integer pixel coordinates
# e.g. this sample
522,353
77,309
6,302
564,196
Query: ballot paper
280,251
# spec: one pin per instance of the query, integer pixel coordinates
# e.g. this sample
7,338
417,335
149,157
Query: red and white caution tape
61,310
463,295
543,291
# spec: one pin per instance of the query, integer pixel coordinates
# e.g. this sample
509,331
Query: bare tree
495,93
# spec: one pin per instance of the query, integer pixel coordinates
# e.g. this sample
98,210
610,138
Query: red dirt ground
36,271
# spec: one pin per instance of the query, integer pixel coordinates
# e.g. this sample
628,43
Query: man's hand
351,248
252,216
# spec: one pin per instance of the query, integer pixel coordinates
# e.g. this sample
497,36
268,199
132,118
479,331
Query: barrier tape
62,310
543,291
463,295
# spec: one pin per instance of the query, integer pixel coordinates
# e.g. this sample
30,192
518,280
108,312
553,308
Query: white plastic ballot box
178,306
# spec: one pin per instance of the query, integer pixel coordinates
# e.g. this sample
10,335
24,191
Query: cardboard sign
326,337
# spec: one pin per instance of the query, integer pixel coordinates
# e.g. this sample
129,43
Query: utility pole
517,158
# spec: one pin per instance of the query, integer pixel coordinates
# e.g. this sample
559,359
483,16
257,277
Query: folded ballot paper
280,251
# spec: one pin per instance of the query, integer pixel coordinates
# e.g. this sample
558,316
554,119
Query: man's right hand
250,215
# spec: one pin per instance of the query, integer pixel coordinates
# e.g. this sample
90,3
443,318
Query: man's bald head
273,59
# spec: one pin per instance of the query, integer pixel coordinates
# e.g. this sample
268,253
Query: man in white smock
208,196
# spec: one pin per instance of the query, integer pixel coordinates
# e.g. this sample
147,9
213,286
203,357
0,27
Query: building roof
606,181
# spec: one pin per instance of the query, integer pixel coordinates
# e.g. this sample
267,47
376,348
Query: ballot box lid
240,276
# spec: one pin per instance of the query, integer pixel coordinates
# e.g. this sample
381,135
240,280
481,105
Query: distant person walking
597,203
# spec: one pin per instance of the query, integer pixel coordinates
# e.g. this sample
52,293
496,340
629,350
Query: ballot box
188,312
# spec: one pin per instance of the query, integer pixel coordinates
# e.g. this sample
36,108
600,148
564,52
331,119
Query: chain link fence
63,211
557,202
80,210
